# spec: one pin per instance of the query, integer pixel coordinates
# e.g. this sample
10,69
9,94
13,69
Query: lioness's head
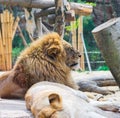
72,56
50,100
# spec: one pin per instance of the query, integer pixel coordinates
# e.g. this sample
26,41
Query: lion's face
72,56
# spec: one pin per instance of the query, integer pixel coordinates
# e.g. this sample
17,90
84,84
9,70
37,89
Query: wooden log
96,76
10,39
39,27
7,40
73,31
29,3
30,22
7,21
2,23
69,16
2,50
44,12
51,10
60,17
49,26
45,29
1,58
94,81
22,37
80,9
80,43
14,27
2,66
107,37
51,18
3,38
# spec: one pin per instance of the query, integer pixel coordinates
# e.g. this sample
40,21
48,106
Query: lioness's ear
53,52
55,101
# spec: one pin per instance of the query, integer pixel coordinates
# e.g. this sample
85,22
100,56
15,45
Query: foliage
103,68
75,25
83,1
88,26
88,37
15,53
18,45
17,41
91,45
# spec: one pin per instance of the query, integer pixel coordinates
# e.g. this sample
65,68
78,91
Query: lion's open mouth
73,64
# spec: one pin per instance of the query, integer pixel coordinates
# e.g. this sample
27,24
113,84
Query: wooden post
73,31
79,8
39,26
14,27
6,36
45,29
22,36
3,38
10,38
69,16
2,63
7,40
80,43
60,17
107,37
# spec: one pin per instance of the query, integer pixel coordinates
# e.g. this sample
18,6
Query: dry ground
17,108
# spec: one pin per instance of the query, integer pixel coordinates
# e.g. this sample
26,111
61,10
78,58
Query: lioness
46,59
54,100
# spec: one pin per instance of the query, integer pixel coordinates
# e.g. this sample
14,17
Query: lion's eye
52,57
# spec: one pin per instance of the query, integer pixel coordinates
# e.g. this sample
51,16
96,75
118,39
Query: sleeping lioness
47,59
54,100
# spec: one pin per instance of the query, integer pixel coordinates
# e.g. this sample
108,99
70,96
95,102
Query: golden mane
43,60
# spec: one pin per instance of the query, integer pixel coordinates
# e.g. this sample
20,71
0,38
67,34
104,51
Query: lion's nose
79,55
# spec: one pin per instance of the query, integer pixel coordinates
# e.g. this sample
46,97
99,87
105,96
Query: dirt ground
115,96
19,109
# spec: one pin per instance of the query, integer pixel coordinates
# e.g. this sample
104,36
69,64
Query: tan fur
72,57
54,100
44,60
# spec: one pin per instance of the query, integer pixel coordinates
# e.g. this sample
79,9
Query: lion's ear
53,52
55,101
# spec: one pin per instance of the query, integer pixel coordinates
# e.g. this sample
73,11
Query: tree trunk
60,17
116,7
30,3
80,9
94,81
69,16
101,78
107,37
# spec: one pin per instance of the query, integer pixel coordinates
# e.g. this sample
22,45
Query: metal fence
96,61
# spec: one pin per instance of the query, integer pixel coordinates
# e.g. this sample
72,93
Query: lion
45,59
73,56
54,100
